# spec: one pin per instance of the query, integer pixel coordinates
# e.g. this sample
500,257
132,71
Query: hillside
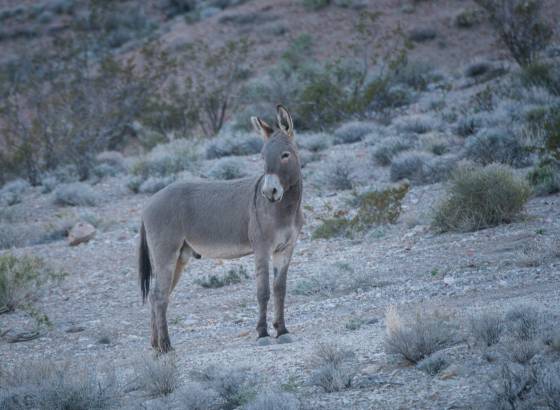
425,276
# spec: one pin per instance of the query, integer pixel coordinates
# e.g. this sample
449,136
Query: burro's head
282,169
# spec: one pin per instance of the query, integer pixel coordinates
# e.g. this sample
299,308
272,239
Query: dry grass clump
157,376
270,400
481,197
416,339
234,386
334,368
47,385
487,328
75,194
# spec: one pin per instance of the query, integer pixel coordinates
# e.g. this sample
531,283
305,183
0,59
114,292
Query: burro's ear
261,127
285,122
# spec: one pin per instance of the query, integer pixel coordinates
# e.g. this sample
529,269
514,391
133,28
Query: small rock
81,232
449,373
75,329
285,338
264,341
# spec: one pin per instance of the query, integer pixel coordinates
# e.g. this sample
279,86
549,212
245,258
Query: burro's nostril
274,192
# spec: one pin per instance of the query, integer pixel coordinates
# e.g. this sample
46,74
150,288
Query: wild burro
226,220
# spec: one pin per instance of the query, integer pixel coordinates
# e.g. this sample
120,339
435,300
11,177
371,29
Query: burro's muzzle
272,188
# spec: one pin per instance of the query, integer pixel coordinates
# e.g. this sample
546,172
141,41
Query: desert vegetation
425,275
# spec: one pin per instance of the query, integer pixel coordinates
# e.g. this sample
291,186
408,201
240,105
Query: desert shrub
234,386
227,168
416,339
422,168
327,284
543,75
384,151
167,159
514,383
437,144
315,4
331,227
21,279
522,351
487,328
548,386
520,26
467,18
481,197
433,364
417,124
478,69
47,385
155,184
338,175
196,396
468,125
334,368
269,400
422,34
48,184
412,165
158,376
524,322
175,7
495,145
11,193
415,74
373,208
379,207
314,142
352,132
241,144
113,158
75,194
545,178
100,171
232,277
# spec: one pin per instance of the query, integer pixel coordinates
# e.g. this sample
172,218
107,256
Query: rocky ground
97,315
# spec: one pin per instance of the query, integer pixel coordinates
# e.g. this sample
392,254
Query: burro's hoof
285,338
264,341
164,345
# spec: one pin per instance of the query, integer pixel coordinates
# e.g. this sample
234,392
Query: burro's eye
285,155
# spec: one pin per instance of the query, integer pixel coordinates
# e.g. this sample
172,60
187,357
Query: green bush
480,198
384,152
21,279
543,75
495,145
467,18
373,208
545,177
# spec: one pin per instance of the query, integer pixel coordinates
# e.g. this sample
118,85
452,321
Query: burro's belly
222,251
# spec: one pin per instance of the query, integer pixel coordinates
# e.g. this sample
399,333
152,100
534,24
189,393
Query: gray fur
226,220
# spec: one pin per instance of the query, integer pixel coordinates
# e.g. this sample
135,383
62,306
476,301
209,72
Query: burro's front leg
280,262
262,259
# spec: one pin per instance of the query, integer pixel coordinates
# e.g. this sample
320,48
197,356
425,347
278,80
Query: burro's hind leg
165,261
262,259
280,262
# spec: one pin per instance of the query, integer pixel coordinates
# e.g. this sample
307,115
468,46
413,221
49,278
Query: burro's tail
144,266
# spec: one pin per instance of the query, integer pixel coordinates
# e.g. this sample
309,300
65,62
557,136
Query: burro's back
211,217
224,220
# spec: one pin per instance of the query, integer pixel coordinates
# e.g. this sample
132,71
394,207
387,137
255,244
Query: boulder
81,232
